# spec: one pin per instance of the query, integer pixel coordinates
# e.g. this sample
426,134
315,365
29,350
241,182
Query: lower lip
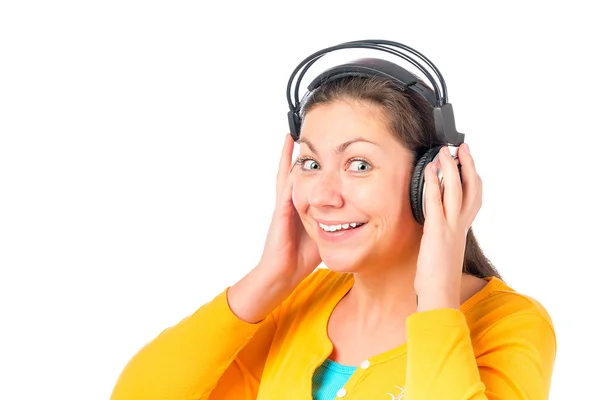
339,236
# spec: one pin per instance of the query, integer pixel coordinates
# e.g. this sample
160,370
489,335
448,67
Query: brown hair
410,118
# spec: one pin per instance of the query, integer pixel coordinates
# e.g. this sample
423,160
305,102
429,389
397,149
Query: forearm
441,362
514,357
187,359
258,293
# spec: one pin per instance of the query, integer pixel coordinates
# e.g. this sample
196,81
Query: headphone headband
367,67
442,110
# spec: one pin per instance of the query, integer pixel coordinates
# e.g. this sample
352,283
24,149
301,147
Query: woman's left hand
440,261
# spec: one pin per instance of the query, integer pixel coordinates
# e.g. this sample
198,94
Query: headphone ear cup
294,125
417,184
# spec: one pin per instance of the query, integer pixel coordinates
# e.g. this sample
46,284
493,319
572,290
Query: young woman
403,310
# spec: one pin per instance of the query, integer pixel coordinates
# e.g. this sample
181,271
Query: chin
348,250
343,259
362,254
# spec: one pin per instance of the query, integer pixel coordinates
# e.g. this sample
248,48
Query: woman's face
351,187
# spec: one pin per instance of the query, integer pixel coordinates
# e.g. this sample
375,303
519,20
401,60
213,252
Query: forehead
343,120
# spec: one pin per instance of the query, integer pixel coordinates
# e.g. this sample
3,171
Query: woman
403,310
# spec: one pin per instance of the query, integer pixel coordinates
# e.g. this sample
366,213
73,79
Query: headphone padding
417,183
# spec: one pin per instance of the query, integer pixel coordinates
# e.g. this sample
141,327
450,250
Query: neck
384,292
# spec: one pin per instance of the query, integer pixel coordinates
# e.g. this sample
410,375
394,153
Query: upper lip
348,221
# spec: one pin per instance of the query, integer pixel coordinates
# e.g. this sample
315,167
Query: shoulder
321,286
321,282
502,300
500,311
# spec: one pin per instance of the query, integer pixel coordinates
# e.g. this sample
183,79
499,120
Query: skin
392,257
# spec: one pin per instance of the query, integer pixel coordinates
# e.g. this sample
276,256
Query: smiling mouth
341,227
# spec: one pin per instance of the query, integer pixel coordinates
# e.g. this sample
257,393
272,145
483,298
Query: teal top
330,377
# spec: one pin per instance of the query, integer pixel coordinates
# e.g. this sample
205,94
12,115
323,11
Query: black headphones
443,114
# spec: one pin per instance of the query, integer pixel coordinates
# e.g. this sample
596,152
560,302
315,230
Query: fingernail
445,150
467,150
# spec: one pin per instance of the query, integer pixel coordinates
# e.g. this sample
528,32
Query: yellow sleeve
211,354
515,357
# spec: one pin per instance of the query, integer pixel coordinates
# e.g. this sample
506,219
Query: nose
326,192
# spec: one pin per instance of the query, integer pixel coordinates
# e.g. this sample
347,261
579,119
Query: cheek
381,197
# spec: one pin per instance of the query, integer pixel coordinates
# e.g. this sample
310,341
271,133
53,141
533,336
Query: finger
433,197
284,164
284,208
472,185
453,193
285,197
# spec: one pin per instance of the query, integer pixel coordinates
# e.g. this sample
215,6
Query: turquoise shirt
330,377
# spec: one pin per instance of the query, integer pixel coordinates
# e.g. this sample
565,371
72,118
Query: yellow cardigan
501,345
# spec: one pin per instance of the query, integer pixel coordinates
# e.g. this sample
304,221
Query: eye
308,164
359,166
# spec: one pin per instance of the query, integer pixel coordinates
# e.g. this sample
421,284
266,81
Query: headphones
443,114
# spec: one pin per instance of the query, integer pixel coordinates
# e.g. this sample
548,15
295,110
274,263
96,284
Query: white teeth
338,227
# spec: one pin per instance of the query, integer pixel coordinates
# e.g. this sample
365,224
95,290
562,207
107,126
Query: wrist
273,281
436,298
258,293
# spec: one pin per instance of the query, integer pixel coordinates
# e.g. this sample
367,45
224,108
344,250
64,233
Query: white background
139,143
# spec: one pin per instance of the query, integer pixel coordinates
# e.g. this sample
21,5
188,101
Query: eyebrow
338,149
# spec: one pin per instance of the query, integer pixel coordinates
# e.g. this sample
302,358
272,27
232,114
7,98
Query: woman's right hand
289,254
288,249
